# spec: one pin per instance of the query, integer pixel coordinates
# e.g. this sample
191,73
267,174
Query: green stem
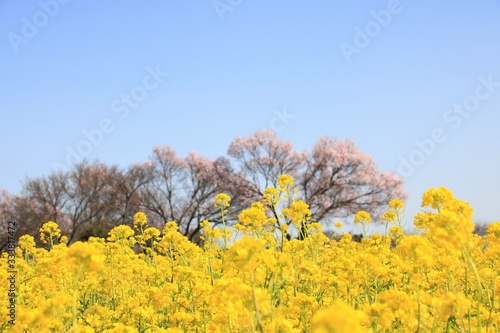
223,228
479,288
75,291
418,300
257,312
363,224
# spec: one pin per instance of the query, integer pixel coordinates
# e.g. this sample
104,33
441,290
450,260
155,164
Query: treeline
334,178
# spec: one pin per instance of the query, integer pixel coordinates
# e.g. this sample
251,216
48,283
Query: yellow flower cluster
452,223
285,181
86,256
140,220
50,234
446,280
298,212
222,200
362,216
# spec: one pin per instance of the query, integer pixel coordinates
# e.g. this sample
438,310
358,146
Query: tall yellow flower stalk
362,218
222,202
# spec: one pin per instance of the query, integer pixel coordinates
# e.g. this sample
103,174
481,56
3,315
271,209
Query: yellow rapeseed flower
222,200
436,197
271,196
140,220
86,255
254,216
338,318
26,243
170,226
121,232
451,228
151,233
396,204
423,220
49,232
493,230
362,216
298,212
285,181
390,216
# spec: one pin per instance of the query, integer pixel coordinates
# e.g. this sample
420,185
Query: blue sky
387,74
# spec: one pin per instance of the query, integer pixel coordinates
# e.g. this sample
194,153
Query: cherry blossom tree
339,180
335,179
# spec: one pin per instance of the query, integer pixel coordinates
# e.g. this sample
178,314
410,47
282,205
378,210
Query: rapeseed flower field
251,277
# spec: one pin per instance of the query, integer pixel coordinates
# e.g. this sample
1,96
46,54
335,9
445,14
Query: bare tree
47,197
92,198
128,185
181,190
6,215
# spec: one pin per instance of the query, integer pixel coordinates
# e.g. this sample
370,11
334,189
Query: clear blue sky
342,69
